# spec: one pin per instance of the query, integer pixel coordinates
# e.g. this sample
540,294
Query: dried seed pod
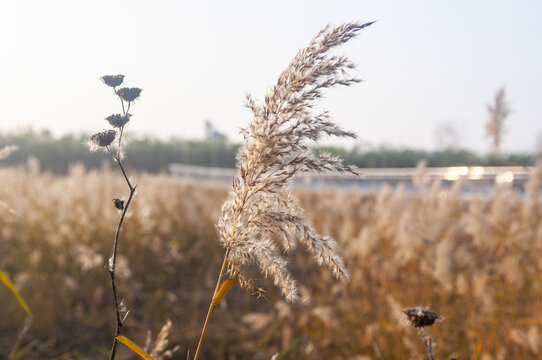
129,94
118,120
113,80
102,139
420,318
119,204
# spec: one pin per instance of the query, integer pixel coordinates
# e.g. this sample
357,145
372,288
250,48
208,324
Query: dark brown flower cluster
102,139
126,95
118,120
420,318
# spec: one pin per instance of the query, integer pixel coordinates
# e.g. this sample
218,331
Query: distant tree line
391,157
154,155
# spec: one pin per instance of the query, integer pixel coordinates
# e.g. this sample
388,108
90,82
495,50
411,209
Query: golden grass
475,262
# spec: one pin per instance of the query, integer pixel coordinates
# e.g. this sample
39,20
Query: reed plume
261,217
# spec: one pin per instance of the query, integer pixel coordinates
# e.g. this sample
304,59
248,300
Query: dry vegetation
473,261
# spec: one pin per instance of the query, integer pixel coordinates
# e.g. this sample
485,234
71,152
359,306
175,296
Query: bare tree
498,112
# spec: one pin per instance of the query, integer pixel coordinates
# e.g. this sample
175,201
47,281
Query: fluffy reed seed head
260,216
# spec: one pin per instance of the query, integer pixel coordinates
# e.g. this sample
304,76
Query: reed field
474,261
325,273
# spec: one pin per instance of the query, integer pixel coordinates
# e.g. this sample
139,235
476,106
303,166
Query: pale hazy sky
424,63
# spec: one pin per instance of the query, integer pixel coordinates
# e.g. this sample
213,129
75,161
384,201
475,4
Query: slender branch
123,215
121,101
113,261
427,341
119,325
122,128
104,139
117,159
211,305
119,147
430,348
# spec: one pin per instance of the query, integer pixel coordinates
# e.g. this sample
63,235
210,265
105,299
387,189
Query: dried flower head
420,318
118,120
102,139
113,80
129,94
119,204
260,216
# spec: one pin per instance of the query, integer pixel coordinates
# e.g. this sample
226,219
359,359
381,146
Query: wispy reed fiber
261,217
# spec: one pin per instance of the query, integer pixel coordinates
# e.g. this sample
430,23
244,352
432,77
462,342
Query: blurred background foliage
153,155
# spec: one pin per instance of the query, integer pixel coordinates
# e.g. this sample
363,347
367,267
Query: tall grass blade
133,346
4,279
224,288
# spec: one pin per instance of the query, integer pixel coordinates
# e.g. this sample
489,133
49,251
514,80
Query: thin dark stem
211,304
113,259
117,159
120,144
430,348
122,103
122,128
119,325
428,342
